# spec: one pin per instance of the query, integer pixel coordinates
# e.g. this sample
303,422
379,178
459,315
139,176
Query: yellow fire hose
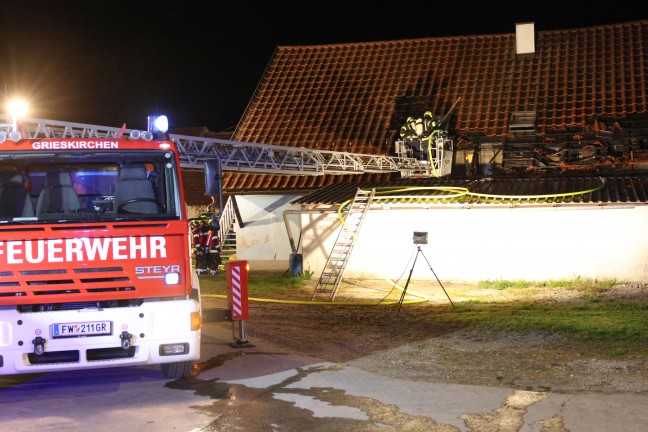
395,192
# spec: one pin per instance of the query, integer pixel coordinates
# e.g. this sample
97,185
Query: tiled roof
354,97
490,191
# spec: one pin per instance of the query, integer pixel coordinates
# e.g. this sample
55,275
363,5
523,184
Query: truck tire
177,370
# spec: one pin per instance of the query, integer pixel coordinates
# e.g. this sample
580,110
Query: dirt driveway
405,342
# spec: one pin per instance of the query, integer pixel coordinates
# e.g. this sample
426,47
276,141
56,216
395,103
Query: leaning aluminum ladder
331,276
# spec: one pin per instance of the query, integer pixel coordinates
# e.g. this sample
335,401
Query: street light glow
17,108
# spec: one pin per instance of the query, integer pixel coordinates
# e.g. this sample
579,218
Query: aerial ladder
236,156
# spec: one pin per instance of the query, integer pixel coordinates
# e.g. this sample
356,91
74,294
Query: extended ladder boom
236,155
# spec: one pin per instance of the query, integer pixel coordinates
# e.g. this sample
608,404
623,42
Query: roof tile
490,191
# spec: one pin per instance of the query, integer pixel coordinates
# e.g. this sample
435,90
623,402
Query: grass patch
501,284
609,322
260,283
619,326
613,323
581,284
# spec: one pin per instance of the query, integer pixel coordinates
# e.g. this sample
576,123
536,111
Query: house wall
469,245
261,235
464,245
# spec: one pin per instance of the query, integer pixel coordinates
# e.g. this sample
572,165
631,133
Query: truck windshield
61,187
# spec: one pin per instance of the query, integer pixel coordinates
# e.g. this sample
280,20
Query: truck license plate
89,328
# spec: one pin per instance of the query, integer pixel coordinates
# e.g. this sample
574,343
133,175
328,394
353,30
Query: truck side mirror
213,177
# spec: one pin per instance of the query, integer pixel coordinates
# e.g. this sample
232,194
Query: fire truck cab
95,266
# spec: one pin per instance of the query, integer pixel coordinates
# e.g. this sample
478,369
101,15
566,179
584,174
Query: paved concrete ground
263,388
341,396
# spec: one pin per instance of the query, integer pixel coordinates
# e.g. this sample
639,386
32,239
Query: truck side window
14,195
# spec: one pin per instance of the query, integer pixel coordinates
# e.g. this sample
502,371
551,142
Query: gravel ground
404,341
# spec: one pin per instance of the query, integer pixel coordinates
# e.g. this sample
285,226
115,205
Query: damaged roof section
604,145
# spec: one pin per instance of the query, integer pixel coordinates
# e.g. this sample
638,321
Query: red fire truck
95,261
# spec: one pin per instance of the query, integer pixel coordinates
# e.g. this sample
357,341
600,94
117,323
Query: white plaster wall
491,243
263,239
319,233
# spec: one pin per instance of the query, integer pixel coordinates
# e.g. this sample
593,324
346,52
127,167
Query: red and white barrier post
237,298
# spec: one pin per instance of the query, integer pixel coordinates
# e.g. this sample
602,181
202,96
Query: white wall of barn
469,245
464,245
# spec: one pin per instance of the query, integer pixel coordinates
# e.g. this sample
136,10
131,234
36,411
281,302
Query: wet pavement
263,388
271,390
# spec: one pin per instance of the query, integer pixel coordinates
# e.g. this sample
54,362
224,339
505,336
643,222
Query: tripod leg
437,277
402,297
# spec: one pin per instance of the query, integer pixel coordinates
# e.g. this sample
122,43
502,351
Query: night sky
114,62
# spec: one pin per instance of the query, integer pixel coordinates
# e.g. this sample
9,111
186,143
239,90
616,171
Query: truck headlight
172,279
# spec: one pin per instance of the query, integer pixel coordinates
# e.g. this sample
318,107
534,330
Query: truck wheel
177,370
